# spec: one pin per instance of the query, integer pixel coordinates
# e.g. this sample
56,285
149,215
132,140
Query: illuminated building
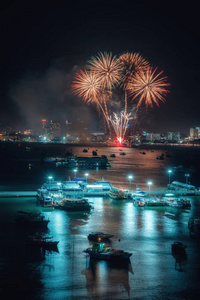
195,133
55,129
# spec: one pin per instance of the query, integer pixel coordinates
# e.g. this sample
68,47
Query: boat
94,190
94,153
25,218
74,204
117,194
87,163
85,150
139,201
112,155
99,236
42,241
102,252
160,157
182,187
176,204
178,246
139,193
106,185
122,153
45,200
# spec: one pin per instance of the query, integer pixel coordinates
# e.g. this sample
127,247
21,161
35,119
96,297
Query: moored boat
74,204
99,236
178,246
42,241
117,194
102,252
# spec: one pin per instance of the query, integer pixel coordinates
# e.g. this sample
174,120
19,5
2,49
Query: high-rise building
195,132
55,129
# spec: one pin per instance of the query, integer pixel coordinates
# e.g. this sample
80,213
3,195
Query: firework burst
107,68
132,63
86,85
148,86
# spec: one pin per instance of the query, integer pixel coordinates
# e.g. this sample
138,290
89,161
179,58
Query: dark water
145,232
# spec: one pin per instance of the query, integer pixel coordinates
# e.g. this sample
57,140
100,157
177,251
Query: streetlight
50,178
86,176
186,177
130,177
75,171
169,172
149,184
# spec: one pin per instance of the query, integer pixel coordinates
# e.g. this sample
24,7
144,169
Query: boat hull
109,256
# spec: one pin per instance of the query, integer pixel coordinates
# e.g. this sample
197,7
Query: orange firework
148,86
132,63
108,69
86,85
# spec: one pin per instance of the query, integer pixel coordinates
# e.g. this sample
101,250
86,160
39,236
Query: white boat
106,185
71,187
94,190
118,194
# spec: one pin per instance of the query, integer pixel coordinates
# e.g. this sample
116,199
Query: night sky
43,44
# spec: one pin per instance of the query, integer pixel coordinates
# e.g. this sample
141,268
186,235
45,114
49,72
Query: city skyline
44,45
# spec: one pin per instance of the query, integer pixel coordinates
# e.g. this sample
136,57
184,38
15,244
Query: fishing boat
74,204
99,236
42,241
102,252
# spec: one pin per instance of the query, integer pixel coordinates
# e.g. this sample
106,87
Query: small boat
42,241
143,153
74,204
99,236
160,157
112,155
85,150
102,252
178,246
94,153
122,153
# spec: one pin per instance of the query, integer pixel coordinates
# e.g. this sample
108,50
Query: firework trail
120,124
148,86
132,63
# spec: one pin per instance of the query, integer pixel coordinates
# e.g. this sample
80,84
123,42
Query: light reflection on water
145,232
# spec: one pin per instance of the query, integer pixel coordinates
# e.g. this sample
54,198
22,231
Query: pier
9,194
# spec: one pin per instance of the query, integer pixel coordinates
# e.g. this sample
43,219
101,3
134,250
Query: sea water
148,233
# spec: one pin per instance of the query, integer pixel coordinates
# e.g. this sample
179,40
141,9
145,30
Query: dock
10,194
